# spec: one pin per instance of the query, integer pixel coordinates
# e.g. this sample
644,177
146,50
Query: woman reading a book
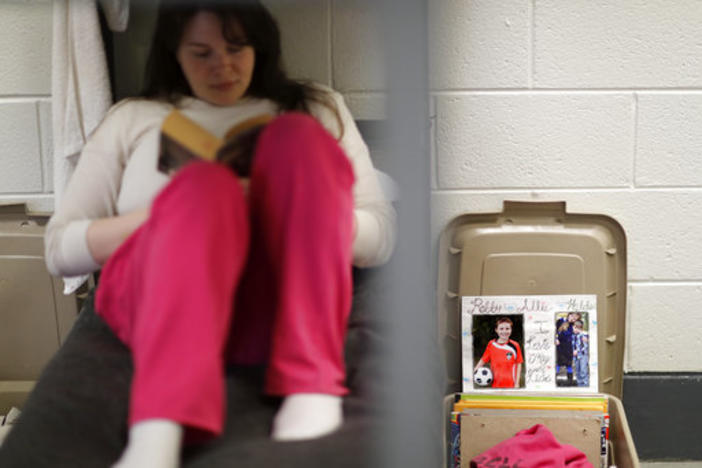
207,268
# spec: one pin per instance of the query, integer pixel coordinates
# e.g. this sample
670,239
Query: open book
182,140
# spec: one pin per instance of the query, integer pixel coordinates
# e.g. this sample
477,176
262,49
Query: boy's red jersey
503,359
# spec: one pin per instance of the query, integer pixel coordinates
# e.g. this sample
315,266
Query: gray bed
76,415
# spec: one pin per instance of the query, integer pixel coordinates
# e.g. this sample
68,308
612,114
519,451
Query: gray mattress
76,415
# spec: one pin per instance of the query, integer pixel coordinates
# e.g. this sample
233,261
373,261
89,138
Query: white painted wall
595,102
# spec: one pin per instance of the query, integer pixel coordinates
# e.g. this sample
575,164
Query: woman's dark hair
165,80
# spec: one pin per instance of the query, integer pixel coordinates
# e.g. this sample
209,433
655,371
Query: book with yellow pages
183,140
533,403
478,419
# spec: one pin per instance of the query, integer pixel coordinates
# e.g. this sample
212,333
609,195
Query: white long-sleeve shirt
117,173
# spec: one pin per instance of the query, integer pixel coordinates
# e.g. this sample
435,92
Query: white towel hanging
80,84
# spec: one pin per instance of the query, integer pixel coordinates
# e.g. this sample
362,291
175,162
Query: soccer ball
483,377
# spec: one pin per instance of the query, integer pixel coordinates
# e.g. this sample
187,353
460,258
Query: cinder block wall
595,102
598,103
25,103
338,43
335,42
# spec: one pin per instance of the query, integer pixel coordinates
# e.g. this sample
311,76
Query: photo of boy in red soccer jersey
503,354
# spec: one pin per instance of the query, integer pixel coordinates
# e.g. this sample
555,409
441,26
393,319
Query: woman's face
504,330
217,71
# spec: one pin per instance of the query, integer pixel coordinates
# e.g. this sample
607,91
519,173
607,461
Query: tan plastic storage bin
35,316
539,249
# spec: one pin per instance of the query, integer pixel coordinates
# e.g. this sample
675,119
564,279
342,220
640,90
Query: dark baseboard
665,414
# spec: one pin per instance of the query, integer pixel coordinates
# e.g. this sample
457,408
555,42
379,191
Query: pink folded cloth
535,447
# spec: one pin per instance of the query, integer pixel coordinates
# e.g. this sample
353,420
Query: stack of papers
481,421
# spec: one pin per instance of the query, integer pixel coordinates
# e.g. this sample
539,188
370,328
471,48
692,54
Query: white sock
154,443
307,416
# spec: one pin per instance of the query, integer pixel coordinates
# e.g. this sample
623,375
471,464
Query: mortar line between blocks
666,282
537,191
636,139
532,40
433,148
12,196
37,115
547,91
23,98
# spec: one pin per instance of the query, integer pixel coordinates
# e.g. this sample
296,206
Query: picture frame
529,343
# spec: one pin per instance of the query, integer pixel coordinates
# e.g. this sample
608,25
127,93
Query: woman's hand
105,235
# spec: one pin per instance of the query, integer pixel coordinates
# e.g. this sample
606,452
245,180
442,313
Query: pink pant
277,265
